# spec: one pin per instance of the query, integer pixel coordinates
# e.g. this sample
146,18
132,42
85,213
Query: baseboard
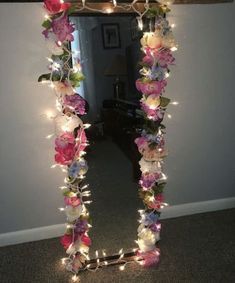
30,235
54,231
197,207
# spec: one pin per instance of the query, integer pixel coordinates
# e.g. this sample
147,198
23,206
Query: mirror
109,50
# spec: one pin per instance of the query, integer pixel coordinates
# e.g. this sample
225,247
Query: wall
200,135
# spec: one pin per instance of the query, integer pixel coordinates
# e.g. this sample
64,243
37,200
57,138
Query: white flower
147,238
73,212
150,39
149,166
64,123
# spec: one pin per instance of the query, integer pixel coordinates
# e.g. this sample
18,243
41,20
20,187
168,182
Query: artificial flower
151,87
66,240
63,88
78,262
154,202
152,101
55,6
163,57
67,123
147,239
81,226
81,141
150,39
148,180
149,218
148,166
78,167
72,201
149,258
62,28
65,148
75,103
73,213
153,114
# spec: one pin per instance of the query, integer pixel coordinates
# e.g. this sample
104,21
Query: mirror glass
109,51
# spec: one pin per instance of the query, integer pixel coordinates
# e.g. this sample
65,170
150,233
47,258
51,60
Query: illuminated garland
71,141
157,46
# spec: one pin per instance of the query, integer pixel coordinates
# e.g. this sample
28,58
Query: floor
198,248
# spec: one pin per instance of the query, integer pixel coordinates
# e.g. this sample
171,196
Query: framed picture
111,36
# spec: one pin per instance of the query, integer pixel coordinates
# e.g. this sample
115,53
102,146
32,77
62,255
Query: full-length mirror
109,51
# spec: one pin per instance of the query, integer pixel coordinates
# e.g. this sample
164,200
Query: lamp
117,68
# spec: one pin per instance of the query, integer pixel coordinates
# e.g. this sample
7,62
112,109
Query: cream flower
150,167
152,101
151,39
147,238
63,88
73,213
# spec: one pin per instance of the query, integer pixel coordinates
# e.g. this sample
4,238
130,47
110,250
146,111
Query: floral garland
157,47
71,140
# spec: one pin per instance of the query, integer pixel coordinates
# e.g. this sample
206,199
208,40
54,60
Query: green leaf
164,101
46,24
71,9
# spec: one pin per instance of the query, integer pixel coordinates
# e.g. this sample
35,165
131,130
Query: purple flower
76,103
81,226
147,180
62,28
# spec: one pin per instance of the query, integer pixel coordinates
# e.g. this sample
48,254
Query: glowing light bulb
175,102
140,23
173,25
122,267
174,48
108,10
75,278
49,136
61,208
167,75
114,3
169,116
120,252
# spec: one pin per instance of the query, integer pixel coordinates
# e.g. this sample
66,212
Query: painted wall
200,134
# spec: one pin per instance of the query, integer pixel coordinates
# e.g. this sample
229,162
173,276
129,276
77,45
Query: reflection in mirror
109,50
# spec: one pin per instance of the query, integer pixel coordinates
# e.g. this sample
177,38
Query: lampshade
117,67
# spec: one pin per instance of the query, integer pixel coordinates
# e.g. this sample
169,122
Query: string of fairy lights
70,131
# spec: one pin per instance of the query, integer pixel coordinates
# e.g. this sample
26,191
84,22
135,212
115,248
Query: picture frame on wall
111,36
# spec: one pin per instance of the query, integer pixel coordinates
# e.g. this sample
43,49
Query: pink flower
152,114
153,87
55,6
142,143
65,147
164,57
73,201
81,141
76,103
62,28
149,258
86,240
66,240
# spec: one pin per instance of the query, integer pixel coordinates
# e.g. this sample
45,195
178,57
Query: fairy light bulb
75,278
114,3
175,103
108,10
174,48
169,116
122,267
140,23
